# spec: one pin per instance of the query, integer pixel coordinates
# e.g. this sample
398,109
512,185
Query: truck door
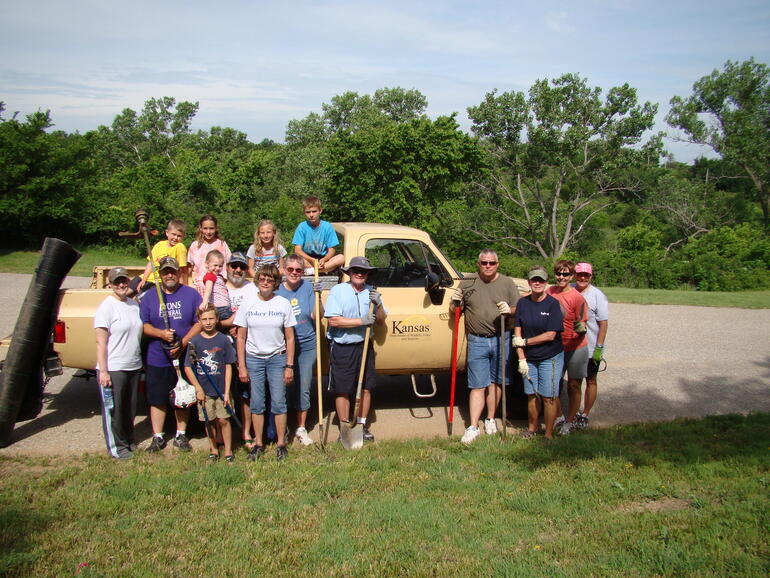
419,333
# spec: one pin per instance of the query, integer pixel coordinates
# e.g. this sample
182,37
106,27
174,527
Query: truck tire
21,382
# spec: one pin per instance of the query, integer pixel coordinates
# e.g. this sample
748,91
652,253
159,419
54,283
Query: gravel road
664,362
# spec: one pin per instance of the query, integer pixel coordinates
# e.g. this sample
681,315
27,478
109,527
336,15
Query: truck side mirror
433,288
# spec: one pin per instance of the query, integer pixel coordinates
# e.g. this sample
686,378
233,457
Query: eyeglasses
294,270
487,263
563,274
265,280
240,266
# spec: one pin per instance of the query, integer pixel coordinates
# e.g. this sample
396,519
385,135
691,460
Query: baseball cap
358,263
238,257
538,272
168,263
116,273
584,268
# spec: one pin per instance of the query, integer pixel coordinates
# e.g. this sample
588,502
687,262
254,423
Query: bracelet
288,367
526,341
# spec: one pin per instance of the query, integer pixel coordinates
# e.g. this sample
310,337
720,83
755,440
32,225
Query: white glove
375,297
503,308
524,368
457,296
367,319
518,341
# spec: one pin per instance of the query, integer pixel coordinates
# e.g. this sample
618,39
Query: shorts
304,364
224,312
268,370
545,376
159,381
592,368
345,365
575,363
215,408
484,360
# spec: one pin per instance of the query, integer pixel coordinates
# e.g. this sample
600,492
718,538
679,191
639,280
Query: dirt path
663,362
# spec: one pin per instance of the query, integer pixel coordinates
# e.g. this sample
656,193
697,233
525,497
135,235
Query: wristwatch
288,367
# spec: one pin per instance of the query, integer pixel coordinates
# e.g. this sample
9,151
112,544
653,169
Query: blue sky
255,65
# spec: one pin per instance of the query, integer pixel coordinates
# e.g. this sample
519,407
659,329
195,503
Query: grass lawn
688,497
25,261
741,299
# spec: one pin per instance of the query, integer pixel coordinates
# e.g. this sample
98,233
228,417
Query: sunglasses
359,272
487,263
240,266
265,280
563,274
294,270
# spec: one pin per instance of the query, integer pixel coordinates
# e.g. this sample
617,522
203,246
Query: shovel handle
362,369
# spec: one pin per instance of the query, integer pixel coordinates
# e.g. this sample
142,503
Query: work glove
375,297
524,368
598,353
318,287
518,341
367,320
579,327
503,308
457,297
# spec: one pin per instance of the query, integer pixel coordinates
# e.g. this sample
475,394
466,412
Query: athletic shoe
280,453
560,421
470,434
301,435
566,428
182,443
490,427
157,444
526,434
255,453
581,421
368,436
230,459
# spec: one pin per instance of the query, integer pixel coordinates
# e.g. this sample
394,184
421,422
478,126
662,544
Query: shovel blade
352,438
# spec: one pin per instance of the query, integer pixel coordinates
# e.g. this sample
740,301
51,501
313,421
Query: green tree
559,156
729,111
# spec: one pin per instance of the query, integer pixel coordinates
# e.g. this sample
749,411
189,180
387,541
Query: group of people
557,330
265,329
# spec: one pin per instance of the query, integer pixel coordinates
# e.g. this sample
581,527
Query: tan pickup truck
415,278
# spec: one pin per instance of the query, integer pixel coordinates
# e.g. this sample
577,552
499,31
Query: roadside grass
26,261
689,497
740,299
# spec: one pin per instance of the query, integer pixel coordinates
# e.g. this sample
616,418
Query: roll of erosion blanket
21,383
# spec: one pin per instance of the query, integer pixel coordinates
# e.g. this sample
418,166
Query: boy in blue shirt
215,352
315,240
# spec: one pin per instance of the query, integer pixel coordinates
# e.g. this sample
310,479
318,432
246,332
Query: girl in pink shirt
207,240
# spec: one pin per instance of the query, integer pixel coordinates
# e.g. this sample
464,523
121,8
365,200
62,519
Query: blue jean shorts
270,370
545,376
484,360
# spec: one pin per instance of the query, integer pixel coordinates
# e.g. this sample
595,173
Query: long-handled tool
351,436
455,336
194,358
142,217
503,345
319,383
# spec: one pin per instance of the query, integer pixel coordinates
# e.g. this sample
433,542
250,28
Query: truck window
402,263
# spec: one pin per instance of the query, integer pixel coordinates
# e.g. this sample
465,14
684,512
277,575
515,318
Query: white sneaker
490,427
470,434
566,428
303,437
560,421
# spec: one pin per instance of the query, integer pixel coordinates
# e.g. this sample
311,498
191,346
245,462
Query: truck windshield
402,263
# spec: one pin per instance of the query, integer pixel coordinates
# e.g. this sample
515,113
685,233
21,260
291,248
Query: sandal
248,443
526,434
230,459
213,457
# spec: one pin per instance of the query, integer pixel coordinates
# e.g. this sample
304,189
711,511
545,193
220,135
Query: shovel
351,433
321,437
455,335
503,345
